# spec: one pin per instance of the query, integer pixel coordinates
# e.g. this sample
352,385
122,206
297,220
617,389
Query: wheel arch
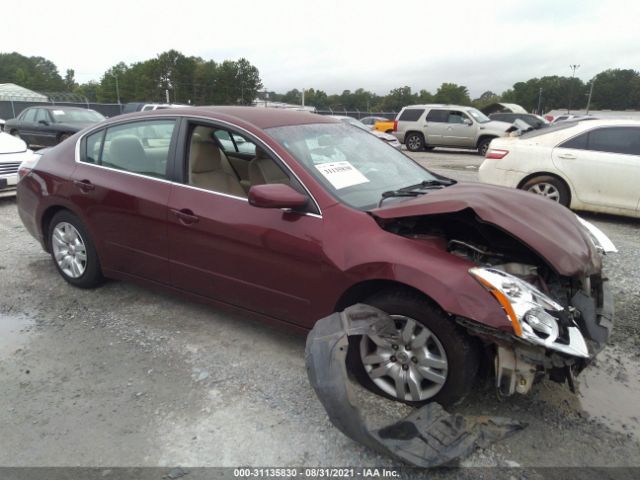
45,222
366,288
483,137
548,174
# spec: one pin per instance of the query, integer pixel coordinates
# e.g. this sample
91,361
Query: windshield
478,115
355,166
76,116
356,123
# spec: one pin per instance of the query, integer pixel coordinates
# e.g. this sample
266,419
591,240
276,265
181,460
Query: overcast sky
338,45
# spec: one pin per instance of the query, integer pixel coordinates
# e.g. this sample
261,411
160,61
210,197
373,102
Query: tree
69,80
452,93
35,73
398,98
615,89
486,99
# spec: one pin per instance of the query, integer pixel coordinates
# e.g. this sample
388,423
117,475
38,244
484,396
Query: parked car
13,152
45,126
424,127
587,165
145,107
381,124
371,121
534,121
568,117
385,137
323,216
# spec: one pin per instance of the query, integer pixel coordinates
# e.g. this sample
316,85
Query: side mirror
276,195
43,122
467,121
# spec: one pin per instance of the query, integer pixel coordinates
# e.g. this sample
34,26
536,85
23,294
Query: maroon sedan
291,216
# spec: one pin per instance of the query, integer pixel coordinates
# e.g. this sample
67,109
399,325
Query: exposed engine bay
560,323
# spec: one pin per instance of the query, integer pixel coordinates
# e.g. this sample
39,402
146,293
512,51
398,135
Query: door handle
186,216
567,156
84,185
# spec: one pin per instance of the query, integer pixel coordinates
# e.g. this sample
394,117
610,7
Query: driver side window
227,162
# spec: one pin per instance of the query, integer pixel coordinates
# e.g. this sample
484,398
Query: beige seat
126,152
209,167
263,169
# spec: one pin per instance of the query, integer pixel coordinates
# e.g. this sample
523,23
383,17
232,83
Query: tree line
194,80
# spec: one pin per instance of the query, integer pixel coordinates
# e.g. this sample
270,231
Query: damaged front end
560,309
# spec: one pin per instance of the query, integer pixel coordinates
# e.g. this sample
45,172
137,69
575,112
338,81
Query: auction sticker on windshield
341,174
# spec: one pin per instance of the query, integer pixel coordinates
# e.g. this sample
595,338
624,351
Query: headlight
598,237
530,312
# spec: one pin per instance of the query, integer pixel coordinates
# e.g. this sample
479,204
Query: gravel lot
127,376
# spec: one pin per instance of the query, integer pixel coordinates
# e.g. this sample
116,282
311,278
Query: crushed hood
549,229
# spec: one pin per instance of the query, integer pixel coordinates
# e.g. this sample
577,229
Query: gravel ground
127,376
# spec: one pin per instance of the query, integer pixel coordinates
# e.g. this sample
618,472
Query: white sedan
13,152
586,165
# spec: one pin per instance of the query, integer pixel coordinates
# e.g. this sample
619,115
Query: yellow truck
379,123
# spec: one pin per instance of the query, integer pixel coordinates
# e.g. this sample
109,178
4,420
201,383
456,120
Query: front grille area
9,168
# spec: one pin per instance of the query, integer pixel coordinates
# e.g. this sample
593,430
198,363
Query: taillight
395,125
27,165
496,153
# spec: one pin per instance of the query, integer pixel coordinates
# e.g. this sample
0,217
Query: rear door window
411,114
440,116
137,147
579,142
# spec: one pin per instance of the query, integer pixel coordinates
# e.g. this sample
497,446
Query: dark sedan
534,121
318,216
46,126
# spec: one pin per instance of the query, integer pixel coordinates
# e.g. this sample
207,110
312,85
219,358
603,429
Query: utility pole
166,93
117,87
573,74
303,97
590,93
540,101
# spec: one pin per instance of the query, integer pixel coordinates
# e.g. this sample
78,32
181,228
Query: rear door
435,126
26,125
603,165
122,187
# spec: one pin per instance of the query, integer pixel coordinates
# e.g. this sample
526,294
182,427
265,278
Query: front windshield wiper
415,190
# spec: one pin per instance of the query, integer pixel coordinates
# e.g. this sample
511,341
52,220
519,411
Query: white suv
423,127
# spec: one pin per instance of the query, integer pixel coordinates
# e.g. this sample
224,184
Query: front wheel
414,142
434,360
550,187
73,251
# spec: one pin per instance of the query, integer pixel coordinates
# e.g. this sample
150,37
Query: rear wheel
433,361
414,142
73,251
483,146
550,187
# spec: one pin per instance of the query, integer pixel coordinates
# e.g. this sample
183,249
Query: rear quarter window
411,114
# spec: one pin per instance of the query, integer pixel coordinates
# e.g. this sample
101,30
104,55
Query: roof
10,92
259,117
59,107
438,105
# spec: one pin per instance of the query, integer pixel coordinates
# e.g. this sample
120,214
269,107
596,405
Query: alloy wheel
410,366
69,250
546,190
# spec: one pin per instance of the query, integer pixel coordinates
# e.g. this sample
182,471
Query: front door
221,247
459,131
122,187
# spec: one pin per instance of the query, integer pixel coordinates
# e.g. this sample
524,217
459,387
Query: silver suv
423,127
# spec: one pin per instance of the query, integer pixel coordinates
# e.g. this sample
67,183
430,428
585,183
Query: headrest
204,156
